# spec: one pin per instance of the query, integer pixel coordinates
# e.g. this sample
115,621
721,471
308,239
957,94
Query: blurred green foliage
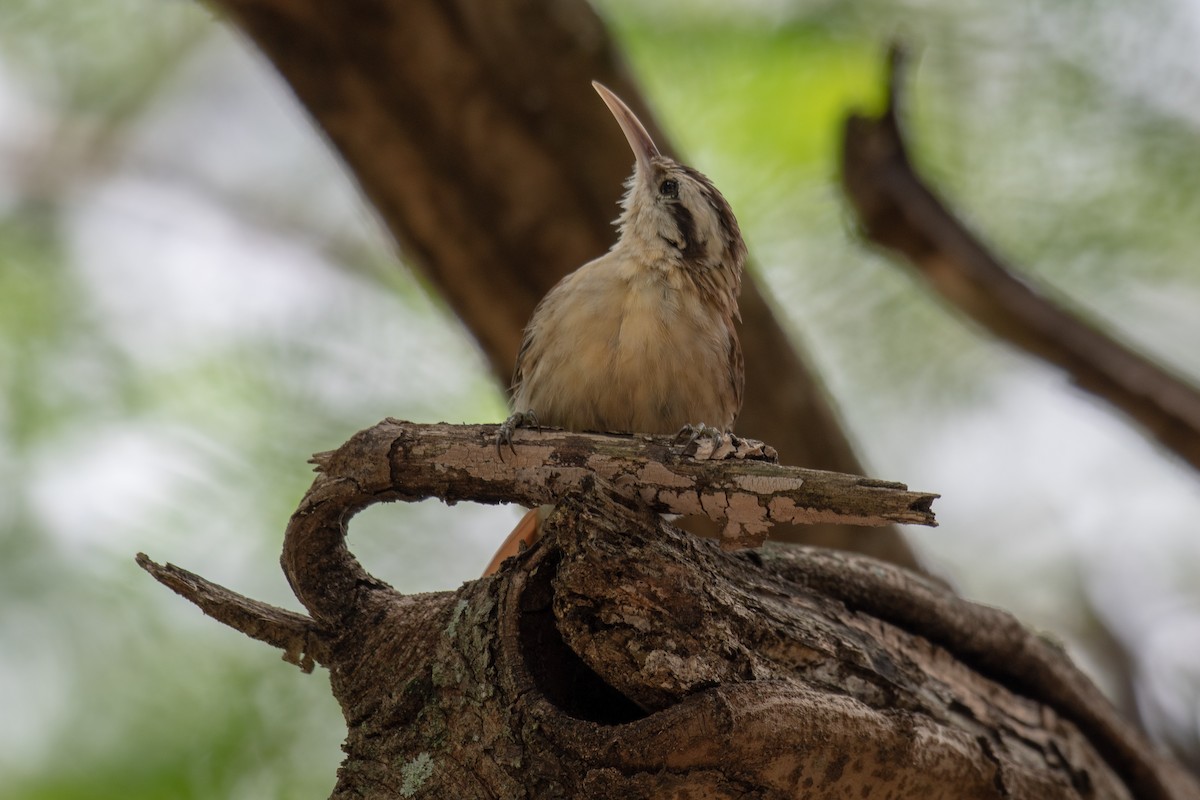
178,332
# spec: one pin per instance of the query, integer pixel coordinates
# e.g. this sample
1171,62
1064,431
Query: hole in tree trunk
558,673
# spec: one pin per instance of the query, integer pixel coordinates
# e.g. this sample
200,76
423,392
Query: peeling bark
620,657
732,480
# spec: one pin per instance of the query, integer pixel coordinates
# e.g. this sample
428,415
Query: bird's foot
690,434
504,435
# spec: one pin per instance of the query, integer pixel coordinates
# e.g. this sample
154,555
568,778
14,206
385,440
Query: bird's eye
668,188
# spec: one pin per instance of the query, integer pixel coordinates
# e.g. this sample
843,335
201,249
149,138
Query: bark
620,657
734,481
473,130
899,211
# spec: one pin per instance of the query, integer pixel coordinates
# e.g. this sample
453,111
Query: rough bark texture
473,129
899,211
622,658
733,481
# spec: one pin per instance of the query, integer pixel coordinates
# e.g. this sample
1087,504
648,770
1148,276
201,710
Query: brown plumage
642,339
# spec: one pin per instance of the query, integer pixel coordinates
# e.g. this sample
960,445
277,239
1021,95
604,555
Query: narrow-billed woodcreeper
641,339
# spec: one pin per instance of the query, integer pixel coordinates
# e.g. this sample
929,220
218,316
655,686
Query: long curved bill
643,146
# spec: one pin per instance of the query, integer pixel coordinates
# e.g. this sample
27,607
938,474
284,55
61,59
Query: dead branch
293,633
734,481
620,657
899,211
737,483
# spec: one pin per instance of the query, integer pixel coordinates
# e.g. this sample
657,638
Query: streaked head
672,208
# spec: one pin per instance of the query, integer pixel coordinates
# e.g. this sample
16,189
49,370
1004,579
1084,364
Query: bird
643,338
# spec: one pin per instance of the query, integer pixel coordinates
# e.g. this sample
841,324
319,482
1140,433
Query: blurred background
194,298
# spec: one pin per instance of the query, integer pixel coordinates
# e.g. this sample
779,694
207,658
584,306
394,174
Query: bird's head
673,211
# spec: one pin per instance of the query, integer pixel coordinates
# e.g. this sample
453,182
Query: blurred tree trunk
472,128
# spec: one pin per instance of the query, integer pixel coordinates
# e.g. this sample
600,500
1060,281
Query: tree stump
622,658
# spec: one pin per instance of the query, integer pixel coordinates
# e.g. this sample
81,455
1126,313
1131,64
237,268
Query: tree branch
734,482
613,610
990,640
898,210
293,633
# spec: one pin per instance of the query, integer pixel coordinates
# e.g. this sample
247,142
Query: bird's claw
504,434
693,433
